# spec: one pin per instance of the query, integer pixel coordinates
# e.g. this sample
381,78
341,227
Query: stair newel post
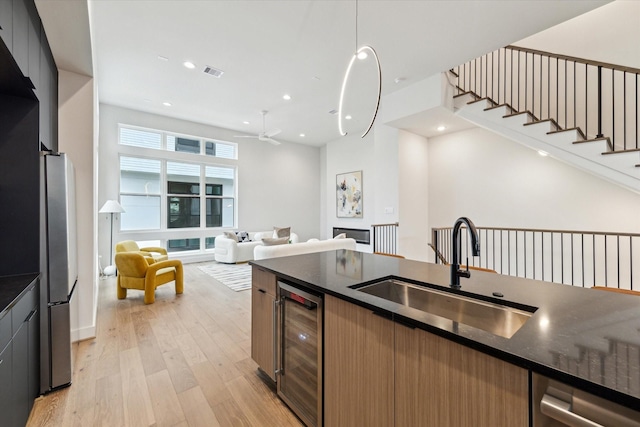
599,135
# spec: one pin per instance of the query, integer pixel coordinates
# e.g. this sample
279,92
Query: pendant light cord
356,49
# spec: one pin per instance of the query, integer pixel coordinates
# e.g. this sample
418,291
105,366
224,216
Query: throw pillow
281,231
341,236
230,235
272,241
243,236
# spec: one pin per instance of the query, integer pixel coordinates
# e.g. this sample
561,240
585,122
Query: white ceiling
267,48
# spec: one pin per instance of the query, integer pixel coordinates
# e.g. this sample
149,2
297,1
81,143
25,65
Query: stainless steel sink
495,318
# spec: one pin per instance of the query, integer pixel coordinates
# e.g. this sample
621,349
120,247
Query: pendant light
360,53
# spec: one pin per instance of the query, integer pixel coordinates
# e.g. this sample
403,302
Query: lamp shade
111,206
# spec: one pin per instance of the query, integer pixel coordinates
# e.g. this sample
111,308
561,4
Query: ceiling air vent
213,71
333,112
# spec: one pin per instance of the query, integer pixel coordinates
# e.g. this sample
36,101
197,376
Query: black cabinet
20,26
20,357
6,355
6,19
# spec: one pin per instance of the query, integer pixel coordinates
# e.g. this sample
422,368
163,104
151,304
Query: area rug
234,276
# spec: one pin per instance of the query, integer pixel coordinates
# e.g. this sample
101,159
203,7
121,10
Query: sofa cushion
272,241
230,235
281,231
243,236
341,236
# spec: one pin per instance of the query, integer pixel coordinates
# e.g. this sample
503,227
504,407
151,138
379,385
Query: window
160,192
140,193
159,140
141,138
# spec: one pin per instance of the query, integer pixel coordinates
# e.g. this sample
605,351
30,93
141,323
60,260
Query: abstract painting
349,194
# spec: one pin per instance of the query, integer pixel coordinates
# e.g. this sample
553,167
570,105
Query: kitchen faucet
456,273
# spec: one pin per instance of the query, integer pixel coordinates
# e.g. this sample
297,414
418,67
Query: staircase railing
598,99
577,258
385,238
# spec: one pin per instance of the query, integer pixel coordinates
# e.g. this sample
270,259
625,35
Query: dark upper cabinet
34,44
20,25
47,92
6,19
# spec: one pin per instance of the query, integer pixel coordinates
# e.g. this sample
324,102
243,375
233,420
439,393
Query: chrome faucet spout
456,273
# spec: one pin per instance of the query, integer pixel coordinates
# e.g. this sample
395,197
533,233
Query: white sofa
230,252
264,252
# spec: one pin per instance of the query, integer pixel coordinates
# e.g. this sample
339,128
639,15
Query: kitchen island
582,337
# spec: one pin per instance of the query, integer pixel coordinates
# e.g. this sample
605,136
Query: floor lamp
111,207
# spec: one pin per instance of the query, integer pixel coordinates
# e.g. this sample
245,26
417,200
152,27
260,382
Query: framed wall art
349,194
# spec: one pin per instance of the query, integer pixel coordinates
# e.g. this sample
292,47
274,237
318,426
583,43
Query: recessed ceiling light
362,55
162,58
348,117
440,128
190,65
543,153
302,135
166,104
399,79
246,122
286,97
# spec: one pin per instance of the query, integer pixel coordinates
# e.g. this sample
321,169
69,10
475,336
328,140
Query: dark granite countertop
12,287
584,337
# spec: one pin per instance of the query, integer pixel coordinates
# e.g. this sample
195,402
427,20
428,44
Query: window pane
183,188
179,245
139,175
209,242
183,212
184,145
220,212
184,172
222,176
210,148
142,212
141,138
221,149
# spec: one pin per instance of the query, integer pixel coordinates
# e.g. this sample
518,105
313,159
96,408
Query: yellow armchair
152,253
134,272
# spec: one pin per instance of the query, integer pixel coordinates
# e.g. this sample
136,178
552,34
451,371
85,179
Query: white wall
413,195
277,185
76,138
348,154
499,183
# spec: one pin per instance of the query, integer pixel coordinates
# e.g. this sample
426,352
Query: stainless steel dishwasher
557,404
299,373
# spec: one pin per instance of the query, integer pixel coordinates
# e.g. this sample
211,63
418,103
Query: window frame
202,160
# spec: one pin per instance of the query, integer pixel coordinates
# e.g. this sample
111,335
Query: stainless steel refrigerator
59,269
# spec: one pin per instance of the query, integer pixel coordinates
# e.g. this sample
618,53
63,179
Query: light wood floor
182,361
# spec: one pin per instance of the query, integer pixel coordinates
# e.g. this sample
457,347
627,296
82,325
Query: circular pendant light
360,53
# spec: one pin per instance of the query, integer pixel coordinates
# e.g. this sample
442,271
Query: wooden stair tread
568,130
630,150
465,93
521,112
552,121
499,106
482,99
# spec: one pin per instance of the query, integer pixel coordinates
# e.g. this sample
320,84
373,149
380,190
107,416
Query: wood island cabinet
358,366
442,383
263,297
382,373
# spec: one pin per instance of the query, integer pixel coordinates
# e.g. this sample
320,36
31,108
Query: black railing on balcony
599,99
385,238
577,258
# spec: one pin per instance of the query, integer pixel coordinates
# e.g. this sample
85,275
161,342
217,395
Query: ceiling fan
264,135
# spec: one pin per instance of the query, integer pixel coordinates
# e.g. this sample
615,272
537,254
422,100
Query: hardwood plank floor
183,361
